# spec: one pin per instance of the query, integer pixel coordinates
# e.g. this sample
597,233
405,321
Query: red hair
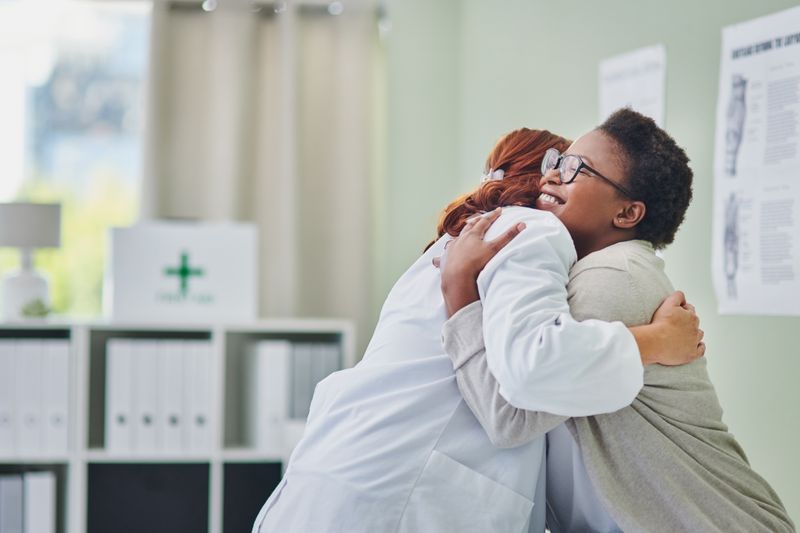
519,154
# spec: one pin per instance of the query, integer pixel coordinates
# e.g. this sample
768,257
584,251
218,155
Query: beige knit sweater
666,463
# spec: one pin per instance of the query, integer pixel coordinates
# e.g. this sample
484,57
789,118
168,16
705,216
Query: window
72,101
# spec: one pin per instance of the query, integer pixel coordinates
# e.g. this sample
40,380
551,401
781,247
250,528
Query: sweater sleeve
506,425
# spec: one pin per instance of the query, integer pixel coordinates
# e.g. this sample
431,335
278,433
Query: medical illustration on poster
756,228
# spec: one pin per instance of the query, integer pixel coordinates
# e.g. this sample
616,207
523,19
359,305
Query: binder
170,413
39,502
266,389
293,432
319,366
301,380
325,361
145,392
11,510
56,396
120,378
29,396
197,394
7,397
334,358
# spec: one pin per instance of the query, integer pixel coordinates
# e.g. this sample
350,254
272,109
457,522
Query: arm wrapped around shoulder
542,358
506,425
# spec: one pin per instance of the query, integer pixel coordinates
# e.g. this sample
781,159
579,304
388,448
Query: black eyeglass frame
581,166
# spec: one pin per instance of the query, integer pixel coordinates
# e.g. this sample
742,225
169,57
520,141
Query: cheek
585,212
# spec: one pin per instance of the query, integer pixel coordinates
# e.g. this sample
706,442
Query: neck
603,241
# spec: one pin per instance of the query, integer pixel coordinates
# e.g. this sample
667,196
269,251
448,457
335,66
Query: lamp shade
24,225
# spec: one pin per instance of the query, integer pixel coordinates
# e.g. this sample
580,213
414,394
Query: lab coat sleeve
506,425
542,358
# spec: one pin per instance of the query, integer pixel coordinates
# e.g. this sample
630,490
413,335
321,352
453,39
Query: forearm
459,291
506,425
649,339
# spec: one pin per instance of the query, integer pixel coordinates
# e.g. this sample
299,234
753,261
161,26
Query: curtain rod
276,7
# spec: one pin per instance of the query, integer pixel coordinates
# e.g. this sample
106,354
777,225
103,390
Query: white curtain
266,117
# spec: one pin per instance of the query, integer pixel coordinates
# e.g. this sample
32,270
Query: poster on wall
756,218
635,79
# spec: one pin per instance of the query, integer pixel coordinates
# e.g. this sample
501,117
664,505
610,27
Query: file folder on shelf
266,388
145,390
11,503
198,369
170,416
301,380
55,382
8,409
39,502
120,411
29,397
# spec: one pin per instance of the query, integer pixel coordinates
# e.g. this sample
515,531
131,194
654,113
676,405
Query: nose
551,176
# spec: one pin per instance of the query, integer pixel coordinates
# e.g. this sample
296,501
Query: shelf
34,459
105,457
243,455
219,488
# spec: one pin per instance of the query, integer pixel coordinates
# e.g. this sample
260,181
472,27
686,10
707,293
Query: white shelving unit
87,396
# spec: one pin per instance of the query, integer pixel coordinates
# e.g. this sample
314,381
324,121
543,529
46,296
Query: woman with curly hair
667,462
391,446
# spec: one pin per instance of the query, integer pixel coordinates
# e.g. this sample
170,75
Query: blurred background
341,129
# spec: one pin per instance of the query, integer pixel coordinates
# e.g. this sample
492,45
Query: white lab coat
390,445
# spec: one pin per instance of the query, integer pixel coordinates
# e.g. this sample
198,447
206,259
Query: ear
630,215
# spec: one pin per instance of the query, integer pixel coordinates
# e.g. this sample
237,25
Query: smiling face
589,207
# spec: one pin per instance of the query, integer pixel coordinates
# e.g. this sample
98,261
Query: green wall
422,127
462,73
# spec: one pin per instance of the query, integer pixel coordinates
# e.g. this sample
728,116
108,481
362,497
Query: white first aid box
182,272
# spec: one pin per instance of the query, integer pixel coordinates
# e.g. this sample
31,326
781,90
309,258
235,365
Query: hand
680,339
466,256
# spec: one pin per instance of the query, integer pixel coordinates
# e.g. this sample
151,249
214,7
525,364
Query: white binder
39,502
56,395
11,506
266,387
29,396
170,413
293,432
7,397
145,430
120,413
198,368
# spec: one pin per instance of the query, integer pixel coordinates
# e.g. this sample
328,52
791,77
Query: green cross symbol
184,272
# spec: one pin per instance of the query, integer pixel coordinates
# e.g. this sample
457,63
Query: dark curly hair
657,171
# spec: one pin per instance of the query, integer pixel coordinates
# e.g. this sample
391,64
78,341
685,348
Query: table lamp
27,227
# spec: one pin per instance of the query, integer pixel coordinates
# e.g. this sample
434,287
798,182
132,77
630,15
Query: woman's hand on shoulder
466,255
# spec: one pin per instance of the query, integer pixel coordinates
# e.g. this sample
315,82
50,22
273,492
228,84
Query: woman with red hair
511,177
390,445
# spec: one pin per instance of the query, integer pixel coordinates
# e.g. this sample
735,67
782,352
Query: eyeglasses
569,166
